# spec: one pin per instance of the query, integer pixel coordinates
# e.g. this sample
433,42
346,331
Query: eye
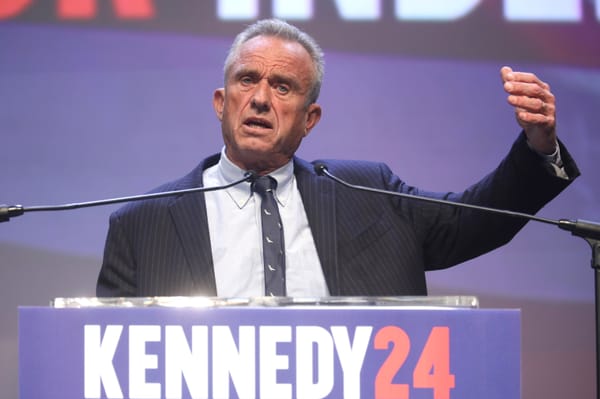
246,80
282,89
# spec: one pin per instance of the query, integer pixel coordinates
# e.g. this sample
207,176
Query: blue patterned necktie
272,237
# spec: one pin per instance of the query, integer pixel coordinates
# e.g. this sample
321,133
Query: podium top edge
445,302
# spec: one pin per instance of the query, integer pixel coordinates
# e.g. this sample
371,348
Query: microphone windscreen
251,176
320,168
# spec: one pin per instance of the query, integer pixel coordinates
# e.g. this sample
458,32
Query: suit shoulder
355,169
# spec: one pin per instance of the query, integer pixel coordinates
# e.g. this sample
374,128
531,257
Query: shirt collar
241,193
285,179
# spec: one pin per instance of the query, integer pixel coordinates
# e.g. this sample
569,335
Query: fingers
535,107
508,75
504,72
533,110
531,97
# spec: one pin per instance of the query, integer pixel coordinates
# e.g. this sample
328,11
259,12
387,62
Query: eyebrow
287,79
273,77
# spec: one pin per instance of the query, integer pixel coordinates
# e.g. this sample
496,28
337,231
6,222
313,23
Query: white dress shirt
554,159
234,225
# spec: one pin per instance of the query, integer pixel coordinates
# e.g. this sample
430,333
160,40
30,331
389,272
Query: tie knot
263,185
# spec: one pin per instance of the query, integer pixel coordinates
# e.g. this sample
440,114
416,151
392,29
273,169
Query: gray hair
283,30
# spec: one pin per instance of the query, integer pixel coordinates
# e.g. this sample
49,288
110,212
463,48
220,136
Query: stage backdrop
109,98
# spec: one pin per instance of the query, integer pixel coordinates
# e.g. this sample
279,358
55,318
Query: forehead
267,52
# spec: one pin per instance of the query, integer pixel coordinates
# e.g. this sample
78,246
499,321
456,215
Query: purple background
484,345
92,112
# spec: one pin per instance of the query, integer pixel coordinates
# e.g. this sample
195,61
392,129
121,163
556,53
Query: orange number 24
432,369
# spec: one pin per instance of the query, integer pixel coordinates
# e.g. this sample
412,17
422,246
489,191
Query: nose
261,98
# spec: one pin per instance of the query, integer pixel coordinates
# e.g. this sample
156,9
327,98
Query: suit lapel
318,196
188,213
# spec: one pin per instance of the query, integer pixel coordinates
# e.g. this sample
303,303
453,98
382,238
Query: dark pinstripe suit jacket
368,244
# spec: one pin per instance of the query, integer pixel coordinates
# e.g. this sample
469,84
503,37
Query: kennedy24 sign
320,352
316,350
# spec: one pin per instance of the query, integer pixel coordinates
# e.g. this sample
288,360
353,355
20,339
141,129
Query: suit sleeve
523,182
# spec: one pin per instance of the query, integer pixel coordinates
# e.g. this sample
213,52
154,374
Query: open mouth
258,123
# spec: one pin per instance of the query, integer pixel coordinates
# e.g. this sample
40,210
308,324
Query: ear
313,116
219,102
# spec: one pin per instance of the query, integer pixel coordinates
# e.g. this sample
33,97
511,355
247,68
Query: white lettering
237,9
350,10
410,10
191,363
229,360
98,361
307,338
351,356
364,10
234,362
434,10
270,361
140,361
540,10
293,9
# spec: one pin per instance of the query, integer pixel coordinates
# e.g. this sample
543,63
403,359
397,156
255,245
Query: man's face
263,108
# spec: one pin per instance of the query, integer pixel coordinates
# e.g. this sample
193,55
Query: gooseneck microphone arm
322,170
589,231
579,228
9,211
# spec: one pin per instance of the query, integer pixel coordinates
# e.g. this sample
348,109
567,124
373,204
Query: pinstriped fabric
378,250
188,215
368,244
318,197
160,247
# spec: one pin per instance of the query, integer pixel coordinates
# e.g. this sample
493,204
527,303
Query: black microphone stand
589,231
8,211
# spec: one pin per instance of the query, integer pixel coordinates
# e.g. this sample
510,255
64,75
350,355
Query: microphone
580,228
9,211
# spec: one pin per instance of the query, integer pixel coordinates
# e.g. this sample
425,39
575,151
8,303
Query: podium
400,347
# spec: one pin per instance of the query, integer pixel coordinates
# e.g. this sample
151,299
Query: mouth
258,123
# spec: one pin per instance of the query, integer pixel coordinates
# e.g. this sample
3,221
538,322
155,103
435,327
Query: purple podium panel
269,352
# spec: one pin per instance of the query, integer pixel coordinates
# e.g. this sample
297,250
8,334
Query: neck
261,165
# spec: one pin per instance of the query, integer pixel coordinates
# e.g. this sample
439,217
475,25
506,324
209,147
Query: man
335,241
